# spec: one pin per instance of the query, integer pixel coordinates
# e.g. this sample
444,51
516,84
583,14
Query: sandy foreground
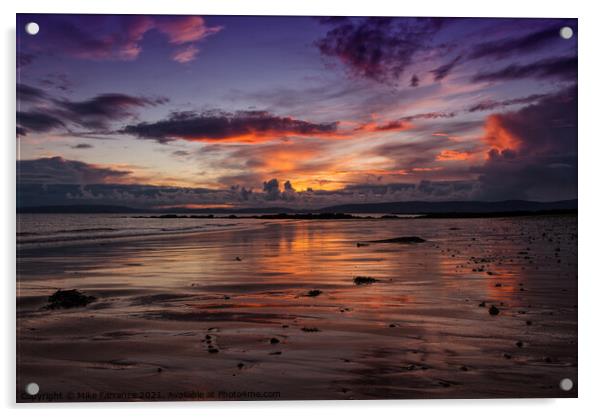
184,319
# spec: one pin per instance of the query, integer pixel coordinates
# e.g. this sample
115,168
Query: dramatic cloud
443,71
376,47
414,81
562,68
241,126
514,45
98,112
27,93
494,104
404,123
57,170
533,152
36,121
120,37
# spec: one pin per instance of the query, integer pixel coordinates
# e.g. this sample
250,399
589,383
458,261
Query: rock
240,365
238,258
364,280
310,329
360,244
519,344
528,322
482,304
493,310
314,293
507,356
213,350
68,299
274,341
401,240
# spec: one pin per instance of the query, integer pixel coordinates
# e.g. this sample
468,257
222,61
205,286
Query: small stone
493,310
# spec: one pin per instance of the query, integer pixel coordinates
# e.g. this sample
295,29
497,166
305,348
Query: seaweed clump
68,299
364,280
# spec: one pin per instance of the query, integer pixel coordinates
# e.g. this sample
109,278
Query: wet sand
182,318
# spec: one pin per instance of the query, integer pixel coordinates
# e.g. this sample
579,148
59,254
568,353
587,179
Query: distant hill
427,207
83,208
401,207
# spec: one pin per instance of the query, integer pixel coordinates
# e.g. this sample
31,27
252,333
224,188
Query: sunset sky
235,111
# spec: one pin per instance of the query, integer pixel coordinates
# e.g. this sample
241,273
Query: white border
590,152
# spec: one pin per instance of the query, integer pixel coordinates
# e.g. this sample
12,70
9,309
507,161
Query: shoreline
104,240
279,308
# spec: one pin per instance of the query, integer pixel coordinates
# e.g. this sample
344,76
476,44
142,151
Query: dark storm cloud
379,48
494,104
541,162
27,93
99,111
515,45
561,68
219,125
36,121
444,70
408,191
272,189
414,81
56,170
47,113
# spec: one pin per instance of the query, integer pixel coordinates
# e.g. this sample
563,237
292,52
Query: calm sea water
39,230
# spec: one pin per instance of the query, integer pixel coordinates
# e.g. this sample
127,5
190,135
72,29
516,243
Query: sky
304,112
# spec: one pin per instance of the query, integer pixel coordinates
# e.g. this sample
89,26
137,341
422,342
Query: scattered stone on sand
68,299
310,329
314,293
401,240
274,341
493,310
361,280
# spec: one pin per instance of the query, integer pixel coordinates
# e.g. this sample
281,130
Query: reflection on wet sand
230,311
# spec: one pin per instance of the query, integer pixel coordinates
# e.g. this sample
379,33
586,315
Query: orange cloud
497,136
451,155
